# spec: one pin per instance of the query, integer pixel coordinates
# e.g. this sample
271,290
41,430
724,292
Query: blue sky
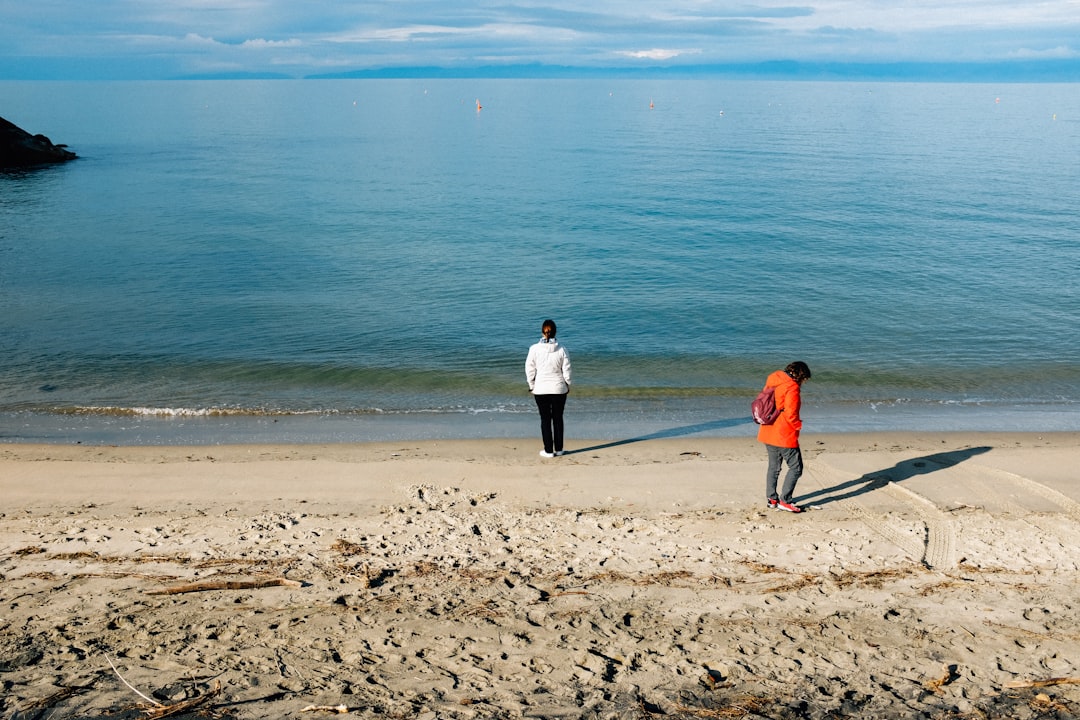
161,39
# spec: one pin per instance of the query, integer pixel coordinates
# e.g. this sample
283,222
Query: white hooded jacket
547,369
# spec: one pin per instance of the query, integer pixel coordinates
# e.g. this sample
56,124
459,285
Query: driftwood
48,701
149,700
338,709
226,585
160,710
1042,683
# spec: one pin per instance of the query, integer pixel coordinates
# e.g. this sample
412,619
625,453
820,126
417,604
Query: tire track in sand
976,478
936,549
993,488
940,548
1069,506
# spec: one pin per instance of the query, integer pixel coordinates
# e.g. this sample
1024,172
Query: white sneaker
558,453
545,453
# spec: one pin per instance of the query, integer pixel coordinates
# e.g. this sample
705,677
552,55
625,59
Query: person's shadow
899,472
668,433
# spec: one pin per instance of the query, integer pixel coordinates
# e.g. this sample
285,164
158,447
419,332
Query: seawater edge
643,423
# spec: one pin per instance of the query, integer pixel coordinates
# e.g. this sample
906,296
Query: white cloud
1061,52
261,43
655,53
414,33
196,39
925,15
392,34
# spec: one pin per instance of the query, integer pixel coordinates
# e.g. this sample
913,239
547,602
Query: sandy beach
933,576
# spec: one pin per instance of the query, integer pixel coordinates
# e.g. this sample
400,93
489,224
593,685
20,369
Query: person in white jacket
547,370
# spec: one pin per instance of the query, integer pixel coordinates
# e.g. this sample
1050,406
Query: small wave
462,410
212,412
165,412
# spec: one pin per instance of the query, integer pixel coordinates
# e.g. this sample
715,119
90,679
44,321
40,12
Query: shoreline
729,419
473,579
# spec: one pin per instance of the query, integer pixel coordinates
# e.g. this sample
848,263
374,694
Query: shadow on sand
899,472
668,433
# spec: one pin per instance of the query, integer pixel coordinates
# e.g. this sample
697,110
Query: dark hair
798,370
548,324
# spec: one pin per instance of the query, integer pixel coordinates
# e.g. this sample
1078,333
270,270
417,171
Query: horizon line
1062,70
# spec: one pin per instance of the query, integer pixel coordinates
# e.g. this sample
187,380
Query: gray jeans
793,458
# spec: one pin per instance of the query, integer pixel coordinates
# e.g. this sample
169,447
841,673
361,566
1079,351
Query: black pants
551,424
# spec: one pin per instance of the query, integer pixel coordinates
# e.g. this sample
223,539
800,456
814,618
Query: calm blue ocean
355,260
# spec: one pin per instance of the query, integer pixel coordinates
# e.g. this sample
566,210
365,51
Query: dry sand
476,580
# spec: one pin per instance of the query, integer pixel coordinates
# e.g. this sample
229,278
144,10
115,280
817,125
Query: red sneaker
790,507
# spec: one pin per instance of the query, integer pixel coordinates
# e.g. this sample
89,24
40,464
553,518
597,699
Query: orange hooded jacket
785,431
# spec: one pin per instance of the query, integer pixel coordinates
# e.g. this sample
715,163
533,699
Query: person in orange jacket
781,439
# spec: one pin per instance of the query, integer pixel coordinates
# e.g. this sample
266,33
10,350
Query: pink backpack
764,409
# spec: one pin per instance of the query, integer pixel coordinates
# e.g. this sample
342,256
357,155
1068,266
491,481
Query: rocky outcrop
19,148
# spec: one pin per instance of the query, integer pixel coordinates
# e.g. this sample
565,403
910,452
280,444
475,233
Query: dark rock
19,148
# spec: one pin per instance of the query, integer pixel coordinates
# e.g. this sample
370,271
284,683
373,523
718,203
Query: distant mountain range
1053,70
